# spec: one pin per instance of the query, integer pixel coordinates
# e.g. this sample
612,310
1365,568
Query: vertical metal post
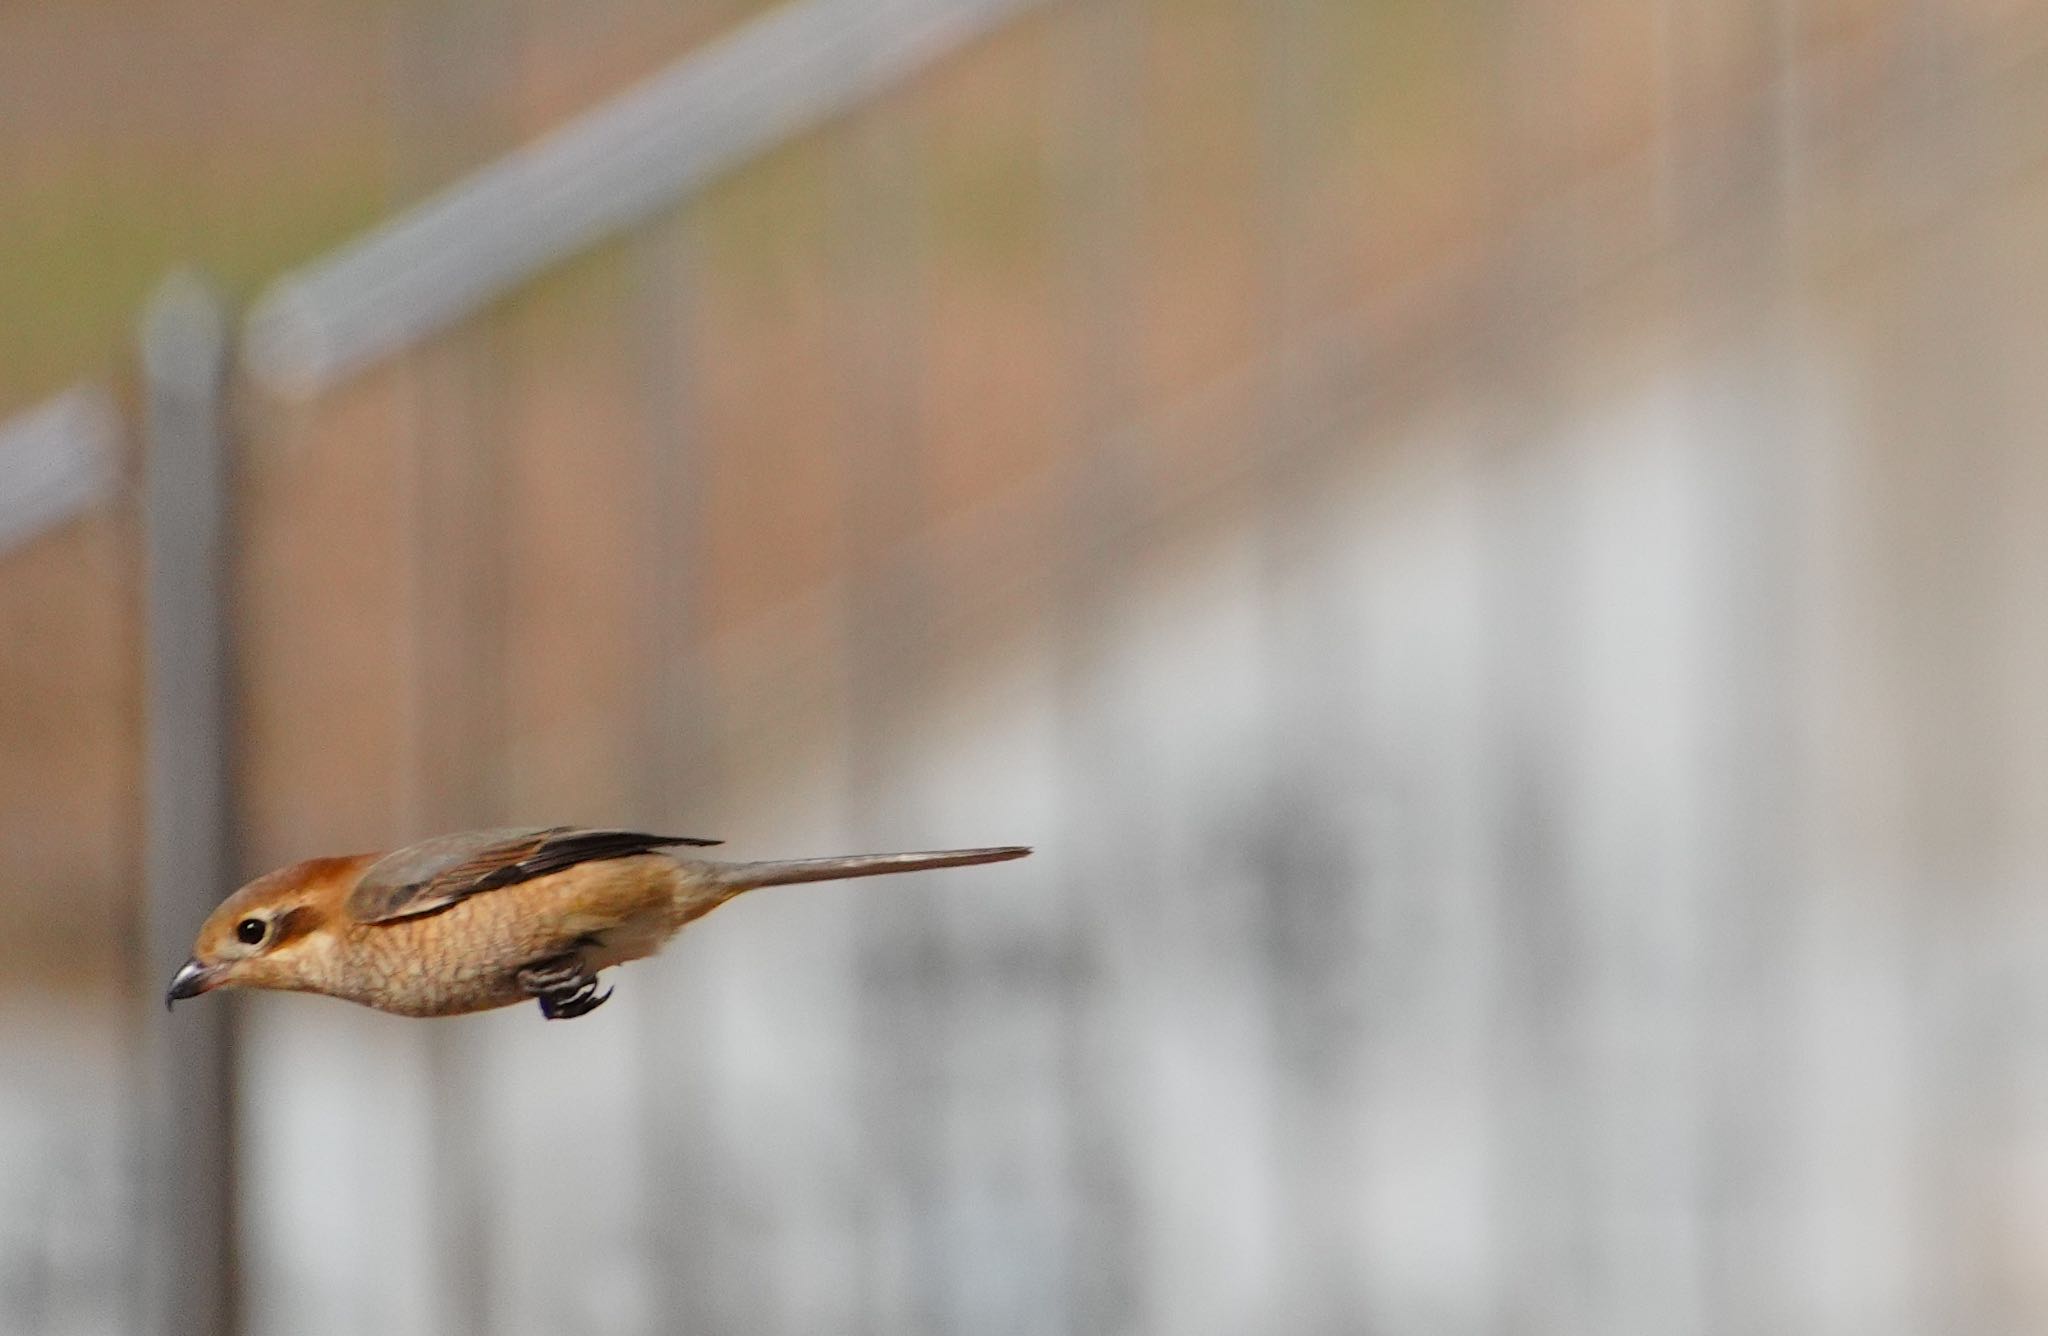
1107,764
1315,889
1944,525
452,60
1535,936
902,951
1738,969
689,1267
189,1270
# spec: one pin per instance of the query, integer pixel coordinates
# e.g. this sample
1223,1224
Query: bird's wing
427,877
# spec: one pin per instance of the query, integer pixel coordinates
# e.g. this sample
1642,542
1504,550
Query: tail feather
738,877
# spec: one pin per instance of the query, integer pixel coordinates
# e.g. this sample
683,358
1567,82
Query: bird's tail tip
864,865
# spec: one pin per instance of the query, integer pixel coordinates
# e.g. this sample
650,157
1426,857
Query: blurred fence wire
1503,580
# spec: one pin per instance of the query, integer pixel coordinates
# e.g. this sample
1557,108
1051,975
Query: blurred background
1497,551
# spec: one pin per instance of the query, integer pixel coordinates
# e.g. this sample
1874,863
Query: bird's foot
563,986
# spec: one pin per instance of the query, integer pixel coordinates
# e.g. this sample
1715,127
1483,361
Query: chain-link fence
1495,553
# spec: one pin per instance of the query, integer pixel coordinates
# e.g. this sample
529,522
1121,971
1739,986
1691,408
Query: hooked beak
191,980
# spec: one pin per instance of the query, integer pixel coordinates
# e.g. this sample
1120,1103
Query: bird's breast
467,957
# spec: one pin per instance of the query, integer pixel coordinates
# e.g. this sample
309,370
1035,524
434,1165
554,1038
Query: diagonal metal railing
57,460
769,81
710,112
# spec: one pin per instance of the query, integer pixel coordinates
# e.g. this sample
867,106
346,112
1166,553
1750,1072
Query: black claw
582,1003
564,989
569,1003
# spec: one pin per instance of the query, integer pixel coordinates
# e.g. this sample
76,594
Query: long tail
736,877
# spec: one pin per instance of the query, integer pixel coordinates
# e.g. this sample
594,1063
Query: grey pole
189,1263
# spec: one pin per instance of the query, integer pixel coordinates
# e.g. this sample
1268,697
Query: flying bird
490,918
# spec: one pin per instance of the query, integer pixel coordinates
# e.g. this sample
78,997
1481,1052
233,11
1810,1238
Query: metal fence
59,458
1516,642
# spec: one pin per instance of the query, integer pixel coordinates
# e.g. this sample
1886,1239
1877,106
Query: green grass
81,249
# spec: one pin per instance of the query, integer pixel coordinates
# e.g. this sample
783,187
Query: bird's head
275,932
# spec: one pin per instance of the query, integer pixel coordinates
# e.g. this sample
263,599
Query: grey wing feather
427,877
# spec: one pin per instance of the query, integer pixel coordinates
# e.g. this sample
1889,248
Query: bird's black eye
250,931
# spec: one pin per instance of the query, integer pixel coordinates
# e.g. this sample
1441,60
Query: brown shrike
488,918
